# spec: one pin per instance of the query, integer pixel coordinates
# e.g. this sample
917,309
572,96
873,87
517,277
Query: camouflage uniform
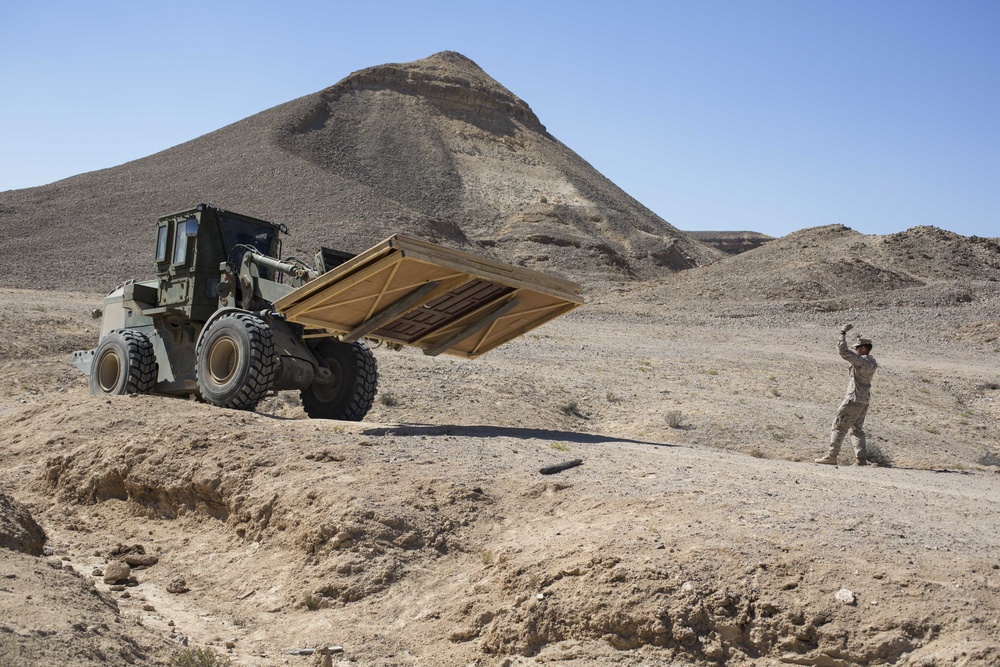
852,411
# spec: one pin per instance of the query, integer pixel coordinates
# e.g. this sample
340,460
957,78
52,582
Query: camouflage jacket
863,367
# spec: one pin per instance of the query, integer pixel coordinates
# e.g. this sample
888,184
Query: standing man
851,414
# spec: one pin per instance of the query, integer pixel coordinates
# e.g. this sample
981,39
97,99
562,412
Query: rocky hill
835,267
434,148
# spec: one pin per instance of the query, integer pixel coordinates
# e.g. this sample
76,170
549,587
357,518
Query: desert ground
695,531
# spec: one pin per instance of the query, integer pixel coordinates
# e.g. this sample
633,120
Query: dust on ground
695,531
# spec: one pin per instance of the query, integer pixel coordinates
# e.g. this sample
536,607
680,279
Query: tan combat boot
830,459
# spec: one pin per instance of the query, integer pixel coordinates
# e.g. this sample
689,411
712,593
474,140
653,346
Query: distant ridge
731,243
434,148
834,267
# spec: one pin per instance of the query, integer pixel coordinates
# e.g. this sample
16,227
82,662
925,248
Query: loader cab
192,245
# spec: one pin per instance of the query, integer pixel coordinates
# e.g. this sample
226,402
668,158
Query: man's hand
847,327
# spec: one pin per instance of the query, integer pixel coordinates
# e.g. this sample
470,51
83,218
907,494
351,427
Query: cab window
185,229
161,243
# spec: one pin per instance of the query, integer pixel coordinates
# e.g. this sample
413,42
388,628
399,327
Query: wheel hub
223,360
108,371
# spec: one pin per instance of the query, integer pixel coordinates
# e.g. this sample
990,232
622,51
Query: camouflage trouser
850,417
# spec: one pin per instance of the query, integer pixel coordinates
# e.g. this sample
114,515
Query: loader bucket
420,294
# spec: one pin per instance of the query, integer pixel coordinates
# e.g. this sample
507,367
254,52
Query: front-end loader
227,321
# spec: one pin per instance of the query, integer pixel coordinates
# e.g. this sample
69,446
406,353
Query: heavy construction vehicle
228,322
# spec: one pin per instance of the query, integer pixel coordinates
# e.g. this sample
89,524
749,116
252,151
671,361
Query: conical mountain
434,148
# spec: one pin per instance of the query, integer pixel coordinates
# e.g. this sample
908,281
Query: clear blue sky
764,115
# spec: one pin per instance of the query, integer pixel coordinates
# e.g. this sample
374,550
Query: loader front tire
350,394
236,361
124,363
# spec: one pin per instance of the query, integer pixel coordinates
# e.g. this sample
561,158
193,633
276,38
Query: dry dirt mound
18,530
435,149
291,533
835,267
53,614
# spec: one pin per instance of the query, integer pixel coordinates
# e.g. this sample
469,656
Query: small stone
141,560
177,585
540,596
148,607
98,572
116,571
845,596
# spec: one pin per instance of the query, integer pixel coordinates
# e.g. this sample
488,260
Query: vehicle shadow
504,432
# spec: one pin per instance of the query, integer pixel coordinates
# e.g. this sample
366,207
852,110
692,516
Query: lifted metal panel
441,300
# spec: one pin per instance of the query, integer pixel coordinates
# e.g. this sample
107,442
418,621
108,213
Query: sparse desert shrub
199,657
877,456
757,454
561,446
311,602
675,419
989,459
388,399
571,408
612,398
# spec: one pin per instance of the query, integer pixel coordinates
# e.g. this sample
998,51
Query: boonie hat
863,341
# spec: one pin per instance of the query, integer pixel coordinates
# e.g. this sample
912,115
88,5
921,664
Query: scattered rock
141,560
177,585
845,596
116,571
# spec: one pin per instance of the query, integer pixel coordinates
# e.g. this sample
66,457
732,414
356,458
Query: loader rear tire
124,363
236,361
350,395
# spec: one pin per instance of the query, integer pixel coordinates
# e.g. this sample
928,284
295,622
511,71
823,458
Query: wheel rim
328,391
109,370
223,359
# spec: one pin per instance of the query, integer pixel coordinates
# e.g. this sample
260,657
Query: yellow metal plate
441,300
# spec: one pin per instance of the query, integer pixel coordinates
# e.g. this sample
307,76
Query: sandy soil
696,530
